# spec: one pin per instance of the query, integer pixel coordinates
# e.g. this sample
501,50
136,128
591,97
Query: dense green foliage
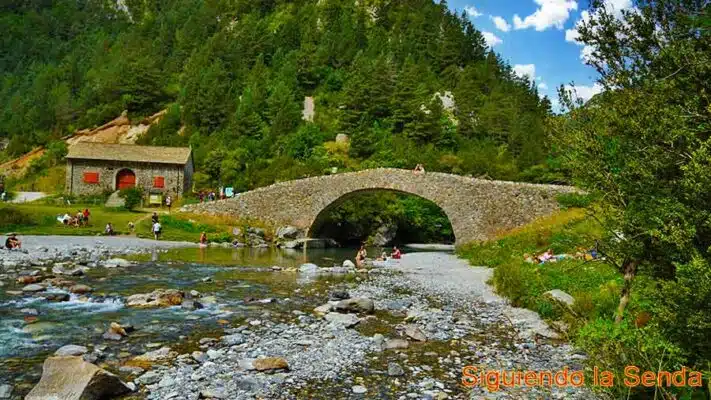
234,74
132,197
642,147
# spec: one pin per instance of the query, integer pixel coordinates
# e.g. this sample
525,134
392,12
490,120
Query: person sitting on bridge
419,169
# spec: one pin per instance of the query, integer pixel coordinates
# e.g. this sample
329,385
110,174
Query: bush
131,197
574,200
11,217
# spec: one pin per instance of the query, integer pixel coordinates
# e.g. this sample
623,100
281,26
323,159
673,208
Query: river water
235,284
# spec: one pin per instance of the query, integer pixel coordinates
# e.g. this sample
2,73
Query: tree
643,145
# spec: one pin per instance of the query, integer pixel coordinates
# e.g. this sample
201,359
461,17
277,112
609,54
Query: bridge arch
478,209
316,224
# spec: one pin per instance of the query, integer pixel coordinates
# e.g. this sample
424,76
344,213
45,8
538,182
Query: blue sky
537,37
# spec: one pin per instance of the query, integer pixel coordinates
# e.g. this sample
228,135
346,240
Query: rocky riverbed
402,330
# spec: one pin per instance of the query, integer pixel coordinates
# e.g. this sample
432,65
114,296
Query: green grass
41,219
594,284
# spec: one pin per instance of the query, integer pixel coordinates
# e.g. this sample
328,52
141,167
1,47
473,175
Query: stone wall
176,176
478,209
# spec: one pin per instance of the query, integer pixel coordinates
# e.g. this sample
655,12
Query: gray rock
213,393
394,369
560,296
287,232
72,378
214,354
358,389
191,305
148,378
414,332
338,295
348,264
384,235
110,335
56,297
392,344
323,309
116,262
5,391
233,340
71,350
199,356
345,320
166,382
131,386
357,305
29,311
33,288
307,268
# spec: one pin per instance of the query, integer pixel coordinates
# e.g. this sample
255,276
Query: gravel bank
41,249
437,315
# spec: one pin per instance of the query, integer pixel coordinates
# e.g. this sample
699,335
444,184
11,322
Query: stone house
93,168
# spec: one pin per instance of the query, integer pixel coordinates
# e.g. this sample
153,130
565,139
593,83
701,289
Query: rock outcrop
72,378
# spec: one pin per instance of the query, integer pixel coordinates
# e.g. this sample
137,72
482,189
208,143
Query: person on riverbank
203,239
109,230
396,254
360,257
154,218
131,227
86,214
168,202
156,230
12,242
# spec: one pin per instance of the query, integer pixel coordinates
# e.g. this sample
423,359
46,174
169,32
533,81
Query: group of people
81,218
548,256
12,242
210,196
362,254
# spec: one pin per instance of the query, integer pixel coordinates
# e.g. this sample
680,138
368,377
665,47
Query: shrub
573,200
131,197
11,216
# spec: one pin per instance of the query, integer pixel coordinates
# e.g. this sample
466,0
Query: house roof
129,152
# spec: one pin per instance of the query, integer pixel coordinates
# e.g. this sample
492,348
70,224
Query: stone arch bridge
478,209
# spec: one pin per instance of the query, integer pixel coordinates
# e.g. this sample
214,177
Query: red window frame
91,177
159,182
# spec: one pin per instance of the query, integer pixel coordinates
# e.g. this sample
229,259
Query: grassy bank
41,219
596,286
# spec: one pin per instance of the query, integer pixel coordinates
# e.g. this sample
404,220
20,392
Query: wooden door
125,179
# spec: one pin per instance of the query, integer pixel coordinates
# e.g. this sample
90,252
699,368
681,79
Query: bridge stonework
477,209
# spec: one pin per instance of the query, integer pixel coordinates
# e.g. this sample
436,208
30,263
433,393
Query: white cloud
501,23
542,86
583,92
491,39
525,71
550,13
472,11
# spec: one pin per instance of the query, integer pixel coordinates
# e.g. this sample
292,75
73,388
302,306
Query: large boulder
384,235
270,364
71,350
72,378
308,268
288,232
560,296
116,262
344,320
157,298
356,305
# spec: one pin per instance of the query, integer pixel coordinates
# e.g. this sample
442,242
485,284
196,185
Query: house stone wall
477,209
175,176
